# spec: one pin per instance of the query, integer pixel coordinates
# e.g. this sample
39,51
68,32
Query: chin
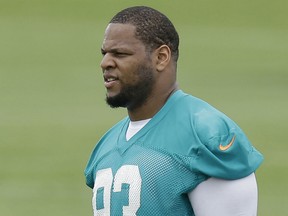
116,100
111,94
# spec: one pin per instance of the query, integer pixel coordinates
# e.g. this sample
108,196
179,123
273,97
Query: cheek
129,79
129,73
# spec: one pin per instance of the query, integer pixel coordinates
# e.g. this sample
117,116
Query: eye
120,54
103,52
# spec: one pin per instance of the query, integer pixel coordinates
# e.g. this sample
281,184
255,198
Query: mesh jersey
176,150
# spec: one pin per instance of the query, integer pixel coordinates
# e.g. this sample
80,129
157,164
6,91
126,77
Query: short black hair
152,27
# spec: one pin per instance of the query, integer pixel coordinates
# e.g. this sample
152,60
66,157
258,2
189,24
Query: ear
163,54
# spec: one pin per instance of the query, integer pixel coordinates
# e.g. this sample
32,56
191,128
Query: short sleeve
224,150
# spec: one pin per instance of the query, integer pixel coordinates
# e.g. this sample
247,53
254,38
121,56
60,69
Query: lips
109,80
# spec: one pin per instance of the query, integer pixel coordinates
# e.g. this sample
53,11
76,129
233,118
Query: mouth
110,81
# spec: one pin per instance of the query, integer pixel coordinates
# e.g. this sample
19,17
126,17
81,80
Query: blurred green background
233,54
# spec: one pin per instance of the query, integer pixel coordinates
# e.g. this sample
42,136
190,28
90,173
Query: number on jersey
127,174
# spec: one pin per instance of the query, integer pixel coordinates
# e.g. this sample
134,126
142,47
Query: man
174,154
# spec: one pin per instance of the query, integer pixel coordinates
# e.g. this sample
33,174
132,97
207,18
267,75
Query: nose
107,62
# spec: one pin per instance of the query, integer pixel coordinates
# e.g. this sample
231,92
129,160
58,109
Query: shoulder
184,124
219,144
211,123
206,120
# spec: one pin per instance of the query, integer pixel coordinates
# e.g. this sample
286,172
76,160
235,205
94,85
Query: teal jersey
185,143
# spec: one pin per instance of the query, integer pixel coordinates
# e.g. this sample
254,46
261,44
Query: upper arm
220,197
223,150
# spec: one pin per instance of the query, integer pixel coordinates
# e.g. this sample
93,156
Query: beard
134,95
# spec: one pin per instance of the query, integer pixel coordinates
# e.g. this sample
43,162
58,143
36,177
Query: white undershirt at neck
134,127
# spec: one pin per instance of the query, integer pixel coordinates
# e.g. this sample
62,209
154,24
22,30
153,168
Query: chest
141,181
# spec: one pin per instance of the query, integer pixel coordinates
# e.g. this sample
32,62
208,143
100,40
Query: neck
152,105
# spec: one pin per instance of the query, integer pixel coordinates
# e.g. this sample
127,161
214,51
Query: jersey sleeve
224,151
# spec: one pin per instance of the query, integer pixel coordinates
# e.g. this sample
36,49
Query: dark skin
122,55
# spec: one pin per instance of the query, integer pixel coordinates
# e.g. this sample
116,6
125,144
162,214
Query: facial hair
134,95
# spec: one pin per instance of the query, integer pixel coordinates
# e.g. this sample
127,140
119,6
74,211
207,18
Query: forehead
120,36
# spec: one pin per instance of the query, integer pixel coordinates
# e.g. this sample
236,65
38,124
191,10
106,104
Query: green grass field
233,54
